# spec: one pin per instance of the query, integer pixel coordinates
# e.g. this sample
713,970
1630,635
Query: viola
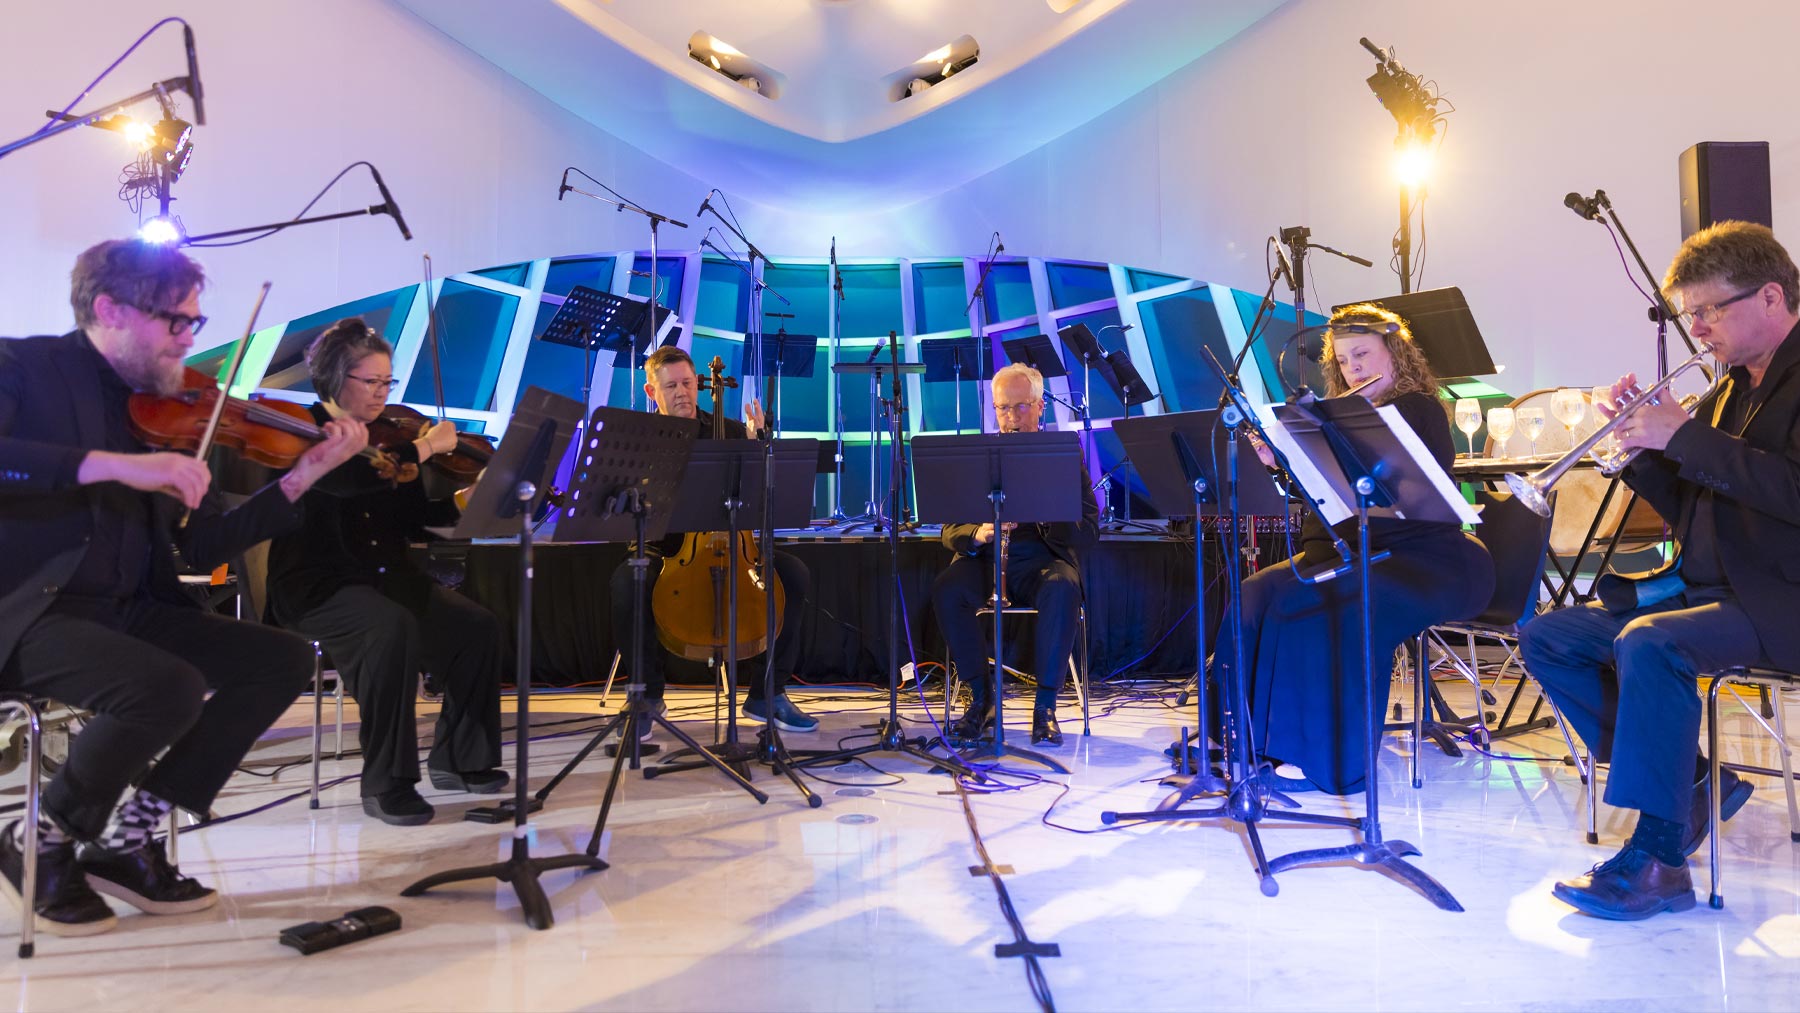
690,599
270,433
462,466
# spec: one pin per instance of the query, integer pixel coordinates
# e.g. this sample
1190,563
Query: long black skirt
1303,648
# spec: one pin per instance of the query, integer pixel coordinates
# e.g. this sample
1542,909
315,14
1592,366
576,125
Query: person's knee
1644,643
1060,593
168,693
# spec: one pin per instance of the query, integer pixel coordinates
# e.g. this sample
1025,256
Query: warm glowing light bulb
138,133
725,48
938,55
160,231
1412,164
714,60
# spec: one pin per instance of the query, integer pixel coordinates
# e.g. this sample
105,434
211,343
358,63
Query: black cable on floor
1021,946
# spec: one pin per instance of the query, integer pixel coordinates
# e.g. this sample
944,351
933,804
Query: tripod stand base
522,871
736,755
890,737
1387,856
997,749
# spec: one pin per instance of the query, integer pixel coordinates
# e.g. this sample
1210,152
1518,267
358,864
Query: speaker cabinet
1724,181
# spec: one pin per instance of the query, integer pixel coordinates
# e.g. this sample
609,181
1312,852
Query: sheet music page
1332,505
1439,480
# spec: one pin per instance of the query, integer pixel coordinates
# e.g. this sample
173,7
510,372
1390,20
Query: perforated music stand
783,355
955,360
1012,478
524,463
597,321
624,488
1443,328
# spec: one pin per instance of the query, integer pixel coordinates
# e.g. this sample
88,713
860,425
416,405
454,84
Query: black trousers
380,646
144,667
796,583
1034,578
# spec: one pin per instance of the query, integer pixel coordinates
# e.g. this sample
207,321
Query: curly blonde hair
1412,374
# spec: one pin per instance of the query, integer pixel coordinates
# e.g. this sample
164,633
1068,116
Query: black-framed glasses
1711,314
376,384
179,322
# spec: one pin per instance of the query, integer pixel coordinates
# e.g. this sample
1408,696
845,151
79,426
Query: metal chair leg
1787,764
606,691
173,850
318,723
1714,898
1593,797
1421,674
1081,675
338,749
34,761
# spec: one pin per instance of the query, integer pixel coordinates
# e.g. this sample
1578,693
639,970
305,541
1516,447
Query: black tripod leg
612,782
711,760
569,768
782,763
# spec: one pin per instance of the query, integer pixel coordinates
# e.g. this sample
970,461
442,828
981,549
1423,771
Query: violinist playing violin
673,385
345,579
91,611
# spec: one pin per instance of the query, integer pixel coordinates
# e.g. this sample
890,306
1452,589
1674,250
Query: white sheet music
1335,499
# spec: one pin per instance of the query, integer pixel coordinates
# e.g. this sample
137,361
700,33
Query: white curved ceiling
833,138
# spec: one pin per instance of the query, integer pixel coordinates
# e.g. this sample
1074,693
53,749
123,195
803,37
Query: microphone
1281,267
876,353
1582,206
705,203
999,244
1371,47
193,75
388,206
564,188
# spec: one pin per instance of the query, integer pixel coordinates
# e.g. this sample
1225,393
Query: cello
689,602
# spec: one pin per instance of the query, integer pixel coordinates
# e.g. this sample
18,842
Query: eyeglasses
179,322
1711,314
376,384
1019,408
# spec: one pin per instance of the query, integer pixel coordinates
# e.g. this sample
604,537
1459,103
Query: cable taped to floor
1022,944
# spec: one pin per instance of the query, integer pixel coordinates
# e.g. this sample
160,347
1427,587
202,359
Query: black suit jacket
51,415
1755,478
1068,541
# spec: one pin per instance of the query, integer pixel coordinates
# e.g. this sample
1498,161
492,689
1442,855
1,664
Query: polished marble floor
716,903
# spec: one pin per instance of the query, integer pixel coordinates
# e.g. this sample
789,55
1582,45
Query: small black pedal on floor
500,812
1027,949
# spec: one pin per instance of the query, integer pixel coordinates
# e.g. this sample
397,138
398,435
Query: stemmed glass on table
1468,419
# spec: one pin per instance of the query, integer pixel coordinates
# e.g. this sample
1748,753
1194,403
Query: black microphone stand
159,91
1664,313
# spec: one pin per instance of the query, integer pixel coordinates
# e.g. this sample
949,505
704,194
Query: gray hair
151,277
1020,369
336,351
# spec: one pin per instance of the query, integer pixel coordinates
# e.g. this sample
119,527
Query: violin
690,599
270,433
462,466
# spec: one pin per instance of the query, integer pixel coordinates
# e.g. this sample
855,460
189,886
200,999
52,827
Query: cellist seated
673,385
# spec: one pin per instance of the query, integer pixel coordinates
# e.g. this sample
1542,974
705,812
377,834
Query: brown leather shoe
1629,886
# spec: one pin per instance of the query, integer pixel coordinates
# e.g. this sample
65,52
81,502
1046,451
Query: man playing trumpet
1622,670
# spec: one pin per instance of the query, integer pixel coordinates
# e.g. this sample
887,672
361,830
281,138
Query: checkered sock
49,834
135,822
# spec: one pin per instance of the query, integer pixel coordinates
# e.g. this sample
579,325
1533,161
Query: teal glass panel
559,369
1075,284
1177,327
724,295
805,286
1106,403
668,280
476,323
706,346
1008,292
940,404
940,298
212,361
511,274
386,313
590,272
1141,279
1302,365
871,300
856,474
805,400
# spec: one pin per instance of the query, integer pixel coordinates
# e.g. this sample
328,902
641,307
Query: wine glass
1500,428
1604,452
1468,419
1569,405
1531,423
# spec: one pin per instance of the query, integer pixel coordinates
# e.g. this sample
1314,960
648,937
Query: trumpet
1534,489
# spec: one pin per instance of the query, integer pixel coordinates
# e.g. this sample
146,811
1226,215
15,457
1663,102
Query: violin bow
231,373
433,330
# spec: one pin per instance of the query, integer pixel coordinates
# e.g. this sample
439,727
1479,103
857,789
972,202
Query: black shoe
143,878
1044,727
1629,886
401,807
66,905
974,721
475,782
1734,791
655,707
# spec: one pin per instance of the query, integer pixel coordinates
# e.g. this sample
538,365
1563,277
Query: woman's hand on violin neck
440,438
178,475
344,438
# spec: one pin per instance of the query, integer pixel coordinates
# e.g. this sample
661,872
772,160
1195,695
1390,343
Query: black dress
1303,643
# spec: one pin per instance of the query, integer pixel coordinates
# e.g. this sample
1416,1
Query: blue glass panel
1302,365
856,474
871,300
386,313
556,368
476,324
624,383
805,400
511,274
1074,284
703,349
1106,403
1008,292
668,280
805,286
1141,279
941,399
591,272
1177,327
940,298
724,295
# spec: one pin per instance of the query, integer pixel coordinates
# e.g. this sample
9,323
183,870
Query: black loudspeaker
1724,181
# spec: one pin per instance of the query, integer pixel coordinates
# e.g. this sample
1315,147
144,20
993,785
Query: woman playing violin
345,579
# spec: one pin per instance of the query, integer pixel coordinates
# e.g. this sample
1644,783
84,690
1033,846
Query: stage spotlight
137,132
160,230
1412,162
171,136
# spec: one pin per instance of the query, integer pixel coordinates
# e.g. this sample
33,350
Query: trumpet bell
1529,494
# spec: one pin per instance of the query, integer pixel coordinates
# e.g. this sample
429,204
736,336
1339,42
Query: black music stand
953,360
1035,351
522,466
783,355
1444,330
1013,478
875,370
596,321
723,490
623,488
